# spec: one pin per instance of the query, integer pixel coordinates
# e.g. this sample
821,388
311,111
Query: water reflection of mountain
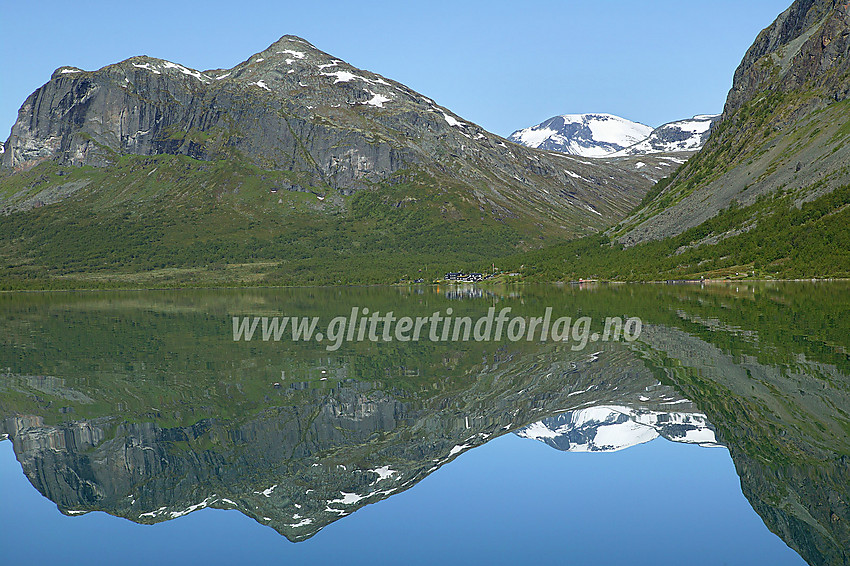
787,428
168,419
309,455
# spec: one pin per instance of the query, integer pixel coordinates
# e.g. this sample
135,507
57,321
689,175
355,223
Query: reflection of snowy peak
613,428
682,135
587,135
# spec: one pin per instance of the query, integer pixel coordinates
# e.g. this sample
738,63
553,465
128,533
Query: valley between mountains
294,167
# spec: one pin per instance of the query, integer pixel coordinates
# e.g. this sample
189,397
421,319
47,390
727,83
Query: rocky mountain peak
289,40
606,135
325,124
611,428
809,41
679,136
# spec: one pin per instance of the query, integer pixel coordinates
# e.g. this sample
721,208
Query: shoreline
813,280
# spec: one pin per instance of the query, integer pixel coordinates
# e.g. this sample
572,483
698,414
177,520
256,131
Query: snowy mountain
586,135
605,135
681,135
613,428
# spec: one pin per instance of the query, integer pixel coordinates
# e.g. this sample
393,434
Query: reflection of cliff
154,419
787,428
309,455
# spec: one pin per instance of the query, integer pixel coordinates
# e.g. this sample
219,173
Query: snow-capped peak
681,135
586,135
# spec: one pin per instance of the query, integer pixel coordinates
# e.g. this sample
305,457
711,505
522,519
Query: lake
577,423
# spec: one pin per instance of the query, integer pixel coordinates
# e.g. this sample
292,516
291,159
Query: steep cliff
782,133
293,108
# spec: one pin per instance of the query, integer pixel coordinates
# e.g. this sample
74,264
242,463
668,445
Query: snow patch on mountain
681,135
157,66
342,76
377,99
605,135
296,54
586,135
452,121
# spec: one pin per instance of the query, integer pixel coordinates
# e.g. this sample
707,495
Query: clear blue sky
503,65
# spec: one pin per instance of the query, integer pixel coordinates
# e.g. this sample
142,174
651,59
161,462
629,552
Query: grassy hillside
767,196
771,238
783,133
174,221
168,220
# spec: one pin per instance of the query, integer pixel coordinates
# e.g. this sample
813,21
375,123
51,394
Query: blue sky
503,65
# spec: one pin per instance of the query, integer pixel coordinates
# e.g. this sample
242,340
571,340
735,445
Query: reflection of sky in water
753,363
511,501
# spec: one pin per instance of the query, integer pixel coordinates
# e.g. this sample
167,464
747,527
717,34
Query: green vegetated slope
401,191
137,345
768,194
772,237
175,220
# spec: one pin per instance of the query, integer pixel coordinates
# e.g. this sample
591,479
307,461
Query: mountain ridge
290,131
279,71
606,428
687,135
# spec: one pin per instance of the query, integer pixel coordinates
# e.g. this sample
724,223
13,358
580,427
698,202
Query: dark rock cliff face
809,41
146,106
780,130
295,108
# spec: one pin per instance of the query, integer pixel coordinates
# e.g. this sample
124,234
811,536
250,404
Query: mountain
586,135
615,428
767,196
780,143
604,135
289,108
311,159
674,137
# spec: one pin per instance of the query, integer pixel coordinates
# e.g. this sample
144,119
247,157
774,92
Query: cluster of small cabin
465,277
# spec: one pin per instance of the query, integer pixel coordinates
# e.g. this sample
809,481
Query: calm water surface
138,431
